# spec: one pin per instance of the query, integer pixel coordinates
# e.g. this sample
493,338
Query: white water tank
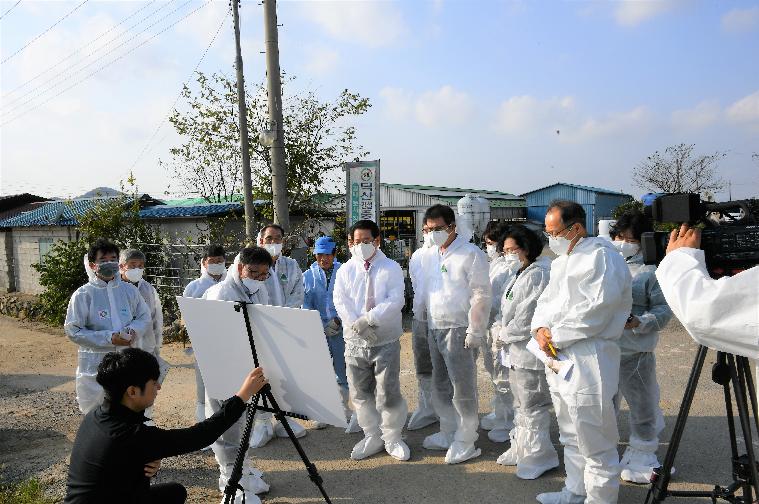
475,210
604,228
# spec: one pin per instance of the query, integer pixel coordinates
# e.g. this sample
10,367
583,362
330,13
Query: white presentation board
291,348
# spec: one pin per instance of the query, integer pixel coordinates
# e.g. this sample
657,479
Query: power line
90,75
12,7
44,32
173,105
85,45
14,103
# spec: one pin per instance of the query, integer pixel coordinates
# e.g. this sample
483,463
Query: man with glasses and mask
285,288
458,302
245,282
103,315
581,314
368,297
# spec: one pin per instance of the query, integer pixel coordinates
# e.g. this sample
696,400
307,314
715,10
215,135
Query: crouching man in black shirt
115,454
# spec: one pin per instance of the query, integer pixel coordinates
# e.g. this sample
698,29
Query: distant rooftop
452,192
578,186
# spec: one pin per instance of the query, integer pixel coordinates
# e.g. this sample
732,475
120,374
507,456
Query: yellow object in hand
552,349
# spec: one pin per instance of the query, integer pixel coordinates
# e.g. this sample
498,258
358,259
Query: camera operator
115,454
721,314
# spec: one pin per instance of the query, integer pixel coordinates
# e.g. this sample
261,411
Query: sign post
362,192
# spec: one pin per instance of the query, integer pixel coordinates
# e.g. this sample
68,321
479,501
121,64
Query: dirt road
39,417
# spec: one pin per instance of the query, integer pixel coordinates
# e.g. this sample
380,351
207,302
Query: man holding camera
721,314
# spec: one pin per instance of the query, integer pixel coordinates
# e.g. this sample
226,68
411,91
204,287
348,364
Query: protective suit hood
94,279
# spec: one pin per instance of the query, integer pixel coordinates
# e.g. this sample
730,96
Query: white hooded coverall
585,306
225,448
95,311
458,299
373,368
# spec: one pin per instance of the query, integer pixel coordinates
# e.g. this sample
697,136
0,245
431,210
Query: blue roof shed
598,203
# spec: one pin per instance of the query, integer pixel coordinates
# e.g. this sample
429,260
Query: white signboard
362,192
291,347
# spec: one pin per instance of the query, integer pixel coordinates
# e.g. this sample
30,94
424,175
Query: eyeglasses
439,228
255,275
514,250
558,233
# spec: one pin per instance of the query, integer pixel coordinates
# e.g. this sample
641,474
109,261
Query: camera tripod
734,372
266,397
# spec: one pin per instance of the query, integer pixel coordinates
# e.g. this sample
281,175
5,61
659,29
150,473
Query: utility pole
274,87
247,184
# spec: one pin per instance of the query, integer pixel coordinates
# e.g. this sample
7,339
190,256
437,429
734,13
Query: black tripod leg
233,483
738,370
660,479
313,473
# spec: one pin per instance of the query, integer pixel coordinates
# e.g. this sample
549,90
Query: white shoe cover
534,471
263,432
353,426
438,441
320,425
499,435
563,497
249,499
421,419
640,465
461,452
251,483
399,450
508,458
489,421
298,429
367,447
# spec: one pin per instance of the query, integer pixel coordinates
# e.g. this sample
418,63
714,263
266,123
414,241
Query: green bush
61,273
26,492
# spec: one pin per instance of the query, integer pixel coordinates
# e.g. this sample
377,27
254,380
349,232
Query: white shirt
589,294
350,298
720,314
285,285
457,287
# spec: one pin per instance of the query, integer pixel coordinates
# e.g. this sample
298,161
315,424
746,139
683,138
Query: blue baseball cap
325,245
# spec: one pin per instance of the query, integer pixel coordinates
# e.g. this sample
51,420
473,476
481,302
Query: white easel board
291,347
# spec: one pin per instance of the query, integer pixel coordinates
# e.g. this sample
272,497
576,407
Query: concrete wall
26,251
7,278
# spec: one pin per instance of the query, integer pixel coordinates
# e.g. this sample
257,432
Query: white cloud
443,106
369,23
321,60
701,116
633,12
740,20
631,122
745,110
527,115
439,107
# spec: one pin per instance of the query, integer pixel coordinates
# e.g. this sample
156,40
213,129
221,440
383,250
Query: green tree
624,207
679,170
319,137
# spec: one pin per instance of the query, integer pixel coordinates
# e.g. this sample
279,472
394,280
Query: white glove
127,334
360,324
472,341
369,335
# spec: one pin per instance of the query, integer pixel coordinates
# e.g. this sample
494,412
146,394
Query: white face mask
216,268
273,248
439,237
512,260
253,286
364,251
134,275
492,251
559,246
625,248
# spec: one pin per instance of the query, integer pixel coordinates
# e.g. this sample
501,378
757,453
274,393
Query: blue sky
464,93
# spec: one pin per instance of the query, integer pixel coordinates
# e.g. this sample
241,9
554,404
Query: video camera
730,238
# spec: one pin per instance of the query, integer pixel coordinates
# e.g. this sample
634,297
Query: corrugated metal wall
508,213
391,197
606,203
547,195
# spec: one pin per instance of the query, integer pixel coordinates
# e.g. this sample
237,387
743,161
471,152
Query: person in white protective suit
637,368
503,269
213,269
721,314
245,281
531,450
458,310
319,286
132,268
103,315
581,314
369,297
285,288
424,414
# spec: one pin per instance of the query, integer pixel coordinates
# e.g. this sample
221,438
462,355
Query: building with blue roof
597,202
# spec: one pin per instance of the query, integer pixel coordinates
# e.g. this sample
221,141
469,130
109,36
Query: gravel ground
39,418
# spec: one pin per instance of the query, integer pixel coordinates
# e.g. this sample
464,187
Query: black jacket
113,445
